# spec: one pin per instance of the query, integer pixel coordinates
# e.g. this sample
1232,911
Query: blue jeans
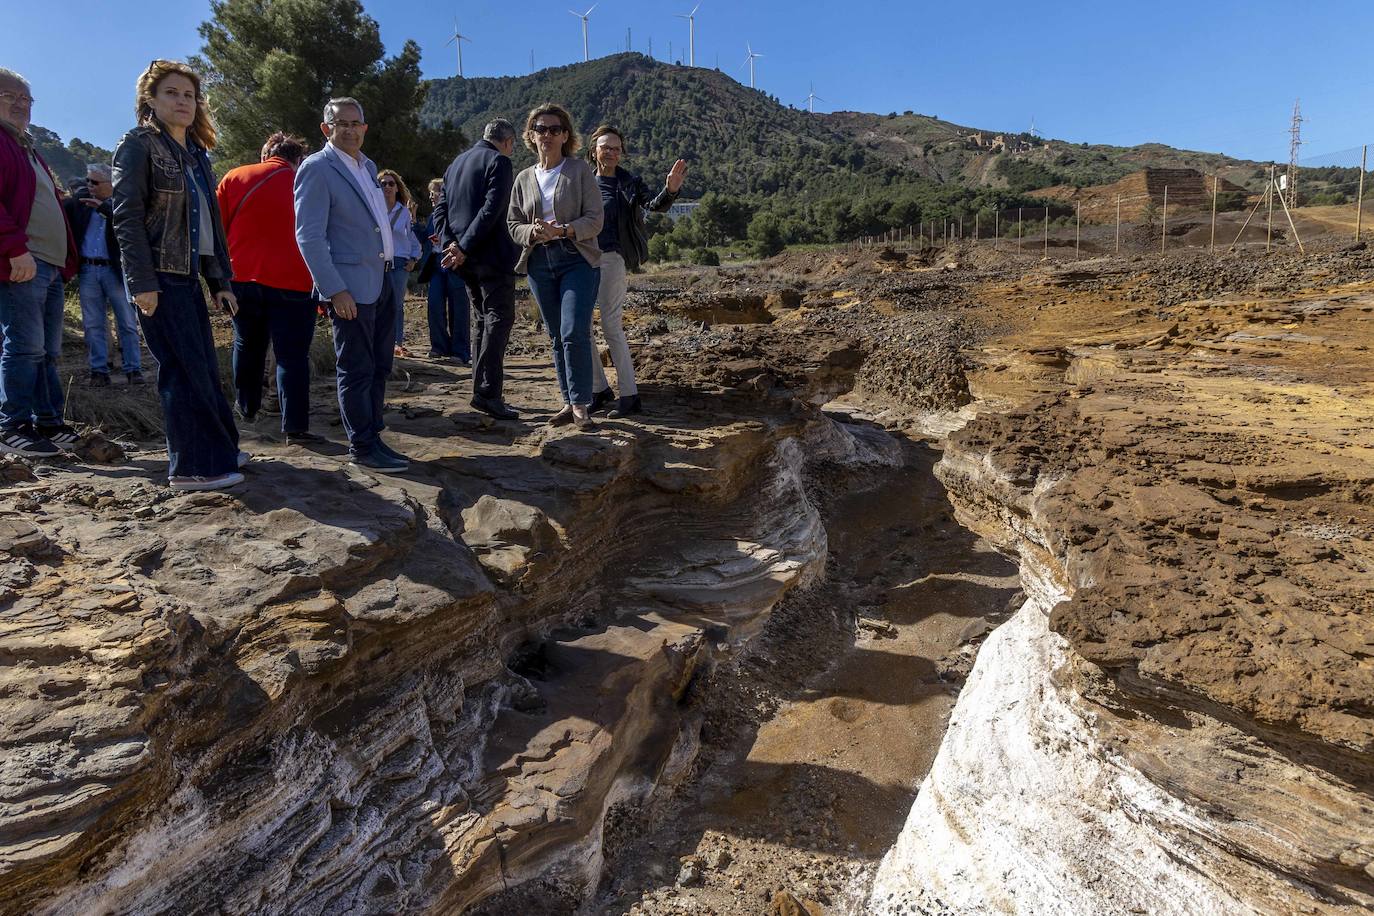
202,440
448,315
397,277
101,286
31,321
565,286
285,319
363,357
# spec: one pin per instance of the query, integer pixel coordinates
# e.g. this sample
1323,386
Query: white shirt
548,180
376,200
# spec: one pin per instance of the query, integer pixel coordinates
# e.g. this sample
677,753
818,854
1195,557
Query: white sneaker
244,458
218,482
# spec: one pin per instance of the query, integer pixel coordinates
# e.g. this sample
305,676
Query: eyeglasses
19,97
610,149
97,181
542,129
346,125
387,183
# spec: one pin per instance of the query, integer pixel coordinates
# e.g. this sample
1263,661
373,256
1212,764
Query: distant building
682,208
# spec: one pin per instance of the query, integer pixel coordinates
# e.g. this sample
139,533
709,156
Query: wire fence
1196,212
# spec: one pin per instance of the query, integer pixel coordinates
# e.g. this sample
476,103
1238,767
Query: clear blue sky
1219,76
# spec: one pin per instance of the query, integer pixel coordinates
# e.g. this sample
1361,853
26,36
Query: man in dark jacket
470,221
37,253
101,283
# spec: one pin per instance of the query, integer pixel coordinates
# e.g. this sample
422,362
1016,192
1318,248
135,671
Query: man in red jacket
271,282
37,253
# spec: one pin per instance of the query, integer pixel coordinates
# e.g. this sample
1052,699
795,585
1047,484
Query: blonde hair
435,184
202,129
402,192
571,142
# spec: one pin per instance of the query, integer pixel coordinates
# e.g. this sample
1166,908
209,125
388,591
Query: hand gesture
344,305
677,175
543,232
227,301
146,302
453,257
23,268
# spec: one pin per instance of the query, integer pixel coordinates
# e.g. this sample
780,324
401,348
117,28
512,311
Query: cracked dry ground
701,661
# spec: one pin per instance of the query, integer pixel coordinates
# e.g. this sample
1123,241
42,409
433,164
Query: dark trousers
448,315
363,356
202,440
493,308
31,324
285,319
565,287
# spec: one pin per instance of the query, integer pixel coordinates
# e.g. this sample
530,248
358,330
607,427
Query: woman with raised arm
555,215
624,244
167,222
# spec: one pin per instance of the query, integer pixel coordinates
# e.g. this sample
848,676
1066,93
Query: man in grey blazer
345,237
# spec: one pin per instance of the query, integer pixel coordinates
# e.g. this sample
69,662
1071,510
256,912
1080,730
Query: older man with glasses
345,236
101,282
37,253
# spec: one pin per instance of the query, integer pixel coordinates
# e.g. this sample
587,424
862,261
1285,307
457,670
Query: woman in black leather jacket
624,246
167,220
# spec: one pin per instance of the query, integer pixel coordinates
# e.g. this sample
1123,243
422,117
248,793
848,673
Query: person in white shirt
345,237
408,250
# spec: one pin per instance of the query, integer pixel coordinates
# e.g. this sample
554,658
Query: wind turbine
583,16
812,99
458,39
691,34
750,61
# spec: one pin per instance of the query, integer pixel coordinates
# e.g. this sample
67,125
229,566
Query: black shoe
391,453
99,380
601,399
135,377
377,460
304,437
626,406
61,435
24,440
244,415
493,407
435,354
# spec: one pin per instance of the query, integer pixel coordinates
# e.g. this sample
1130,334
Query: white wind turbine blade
593,6
694,10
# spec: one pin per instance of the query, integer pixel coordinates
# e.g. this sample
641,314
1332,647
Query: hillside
68,161
744,142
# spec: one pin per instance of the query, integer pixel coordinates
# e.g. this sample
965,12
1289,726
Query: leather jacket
156,211
631,231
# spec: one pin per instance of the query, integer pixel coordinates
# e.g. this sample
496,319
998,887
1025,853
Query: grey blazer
576,204
335,230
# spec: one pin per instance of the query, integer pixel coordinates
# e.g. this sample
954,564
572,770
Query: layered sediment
314,694
1177,720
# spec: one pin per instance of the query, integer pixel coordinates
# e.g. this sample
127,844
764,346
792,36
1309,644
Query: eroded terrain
711,660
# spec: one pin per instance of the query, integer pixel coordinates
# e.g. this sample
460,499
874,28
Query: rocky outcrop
330,691
1177,720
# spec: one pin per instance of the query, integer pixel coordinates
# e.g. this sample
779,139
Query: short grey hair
99,168
498,130
331,108
9,76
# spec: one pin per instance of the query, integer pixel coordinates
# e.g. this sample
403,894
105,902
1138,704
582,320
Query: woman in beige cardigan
555,214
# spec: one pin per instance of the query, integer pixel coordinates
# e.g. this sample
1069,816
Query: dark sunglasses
542,129
387,183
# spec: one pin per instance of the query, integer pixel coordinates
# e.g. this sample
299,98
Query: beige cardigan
576,204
